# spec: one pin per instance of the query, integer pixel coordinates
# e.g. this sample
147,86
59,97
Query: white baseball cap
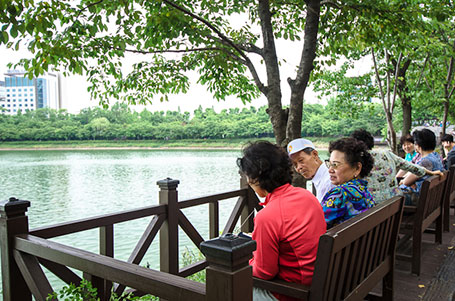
299,144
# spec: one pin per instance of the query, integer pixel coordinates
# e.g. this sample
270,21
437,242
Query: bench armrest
282,287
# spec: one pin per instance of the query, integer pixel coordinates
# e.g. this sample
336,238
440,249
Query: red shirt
287,234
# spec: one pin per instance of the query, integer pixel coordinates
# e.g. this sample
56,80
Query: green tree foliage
400,38
109,124
226,43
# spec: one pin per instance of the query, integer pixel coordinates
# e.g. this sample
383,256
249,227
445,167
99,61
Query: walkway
437,277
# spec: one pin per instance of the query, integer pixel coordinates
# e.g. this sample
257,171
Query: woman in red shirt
288,228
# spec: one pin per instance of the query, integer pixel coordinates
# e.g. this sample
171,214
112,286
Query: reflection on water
68,185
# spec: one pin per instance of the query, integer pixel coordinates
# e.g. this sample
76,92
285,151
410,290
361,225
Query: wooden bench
352,258
448,198
417,219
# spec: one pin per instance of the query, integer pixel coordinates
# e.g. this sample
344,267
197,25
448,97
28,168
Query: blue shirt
431,162
410,156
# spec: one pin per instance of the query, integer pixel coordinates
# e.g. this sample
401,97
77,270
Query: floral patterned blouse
382,183
345,201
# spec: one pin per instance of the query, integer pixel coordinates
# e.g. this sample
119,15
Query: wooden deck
437,277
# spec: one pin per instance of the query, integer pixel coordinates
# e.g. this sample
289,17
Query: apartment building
19,93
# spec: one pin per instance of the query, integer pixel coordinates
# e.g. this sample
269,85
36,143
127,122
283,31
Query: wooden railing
25,251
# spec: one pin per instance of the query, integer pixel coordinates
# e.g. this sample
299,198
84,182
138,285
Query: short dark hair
406,138
354,151
447,138
425,139
365,136
267,164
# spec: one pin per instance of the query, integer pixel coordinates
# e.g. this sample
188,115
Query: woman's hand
437,173
433,173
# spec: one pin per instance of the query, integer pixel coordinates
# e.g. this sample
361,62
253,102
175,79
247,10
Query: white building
22,94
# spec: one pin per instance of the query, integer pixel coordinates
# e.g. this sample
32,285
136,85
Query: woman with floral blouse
349,163
382,180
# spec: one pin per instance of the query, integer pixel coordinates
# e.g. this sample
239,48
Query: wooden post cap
229,250
168,184
13,206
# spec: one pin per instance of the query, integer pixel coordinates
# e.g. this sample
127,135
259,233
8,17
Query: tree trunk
278,116
391,134
402,91
407,115
448,91
444,117
306,65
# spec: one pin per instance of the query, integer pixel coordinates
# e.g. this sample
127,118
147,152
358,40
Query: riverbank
208,144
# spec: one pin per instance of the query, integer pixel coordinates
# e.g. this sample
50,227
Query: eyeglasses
333,165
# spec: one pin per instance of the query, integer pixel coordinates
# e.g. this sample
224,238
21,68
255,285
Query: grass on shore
183,143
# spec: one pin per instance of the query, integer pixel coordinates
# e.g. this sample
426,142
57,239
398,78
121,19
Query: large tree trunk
287,124
278,116
299,84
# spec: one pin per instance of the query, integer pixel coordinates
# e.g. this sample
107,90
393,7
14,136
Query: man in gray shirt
306,161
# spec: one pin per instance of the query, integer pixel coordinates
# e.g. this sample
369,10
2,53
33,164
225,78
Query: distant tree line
120,122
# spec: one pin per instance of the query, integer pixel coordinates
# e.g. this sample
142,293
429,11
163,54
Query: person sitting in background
306,161
425,143
411,155
449,149
288,228
349,163
382,181
407,144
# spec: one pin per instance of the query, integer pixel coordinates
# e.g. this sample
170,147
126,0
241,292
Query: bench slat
294,290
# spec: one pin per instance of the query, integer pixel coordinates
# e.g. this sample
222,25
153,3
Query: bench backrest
430,200
449,193
354,256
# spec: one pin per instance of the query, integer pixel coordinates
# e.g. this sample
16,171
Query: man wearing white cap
306,161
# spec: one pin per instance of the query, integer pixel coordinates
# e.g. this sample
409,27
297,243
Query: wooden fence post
229,276
252,199
13,221
169,239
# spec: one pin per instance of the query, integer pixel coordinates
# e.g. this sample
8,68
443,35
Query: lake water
68,185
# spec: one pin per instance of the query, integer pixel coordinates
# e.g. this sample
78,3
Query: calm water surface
67,185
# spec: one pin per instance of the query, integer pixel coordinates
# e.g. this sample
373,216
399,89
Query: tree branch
87,7
387,59
423,69
451,92
330,3
450,71
251,48
229,42
395,86
378,79
171,50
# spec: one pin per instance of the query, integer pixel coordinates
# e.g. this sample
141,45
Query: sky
75,96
